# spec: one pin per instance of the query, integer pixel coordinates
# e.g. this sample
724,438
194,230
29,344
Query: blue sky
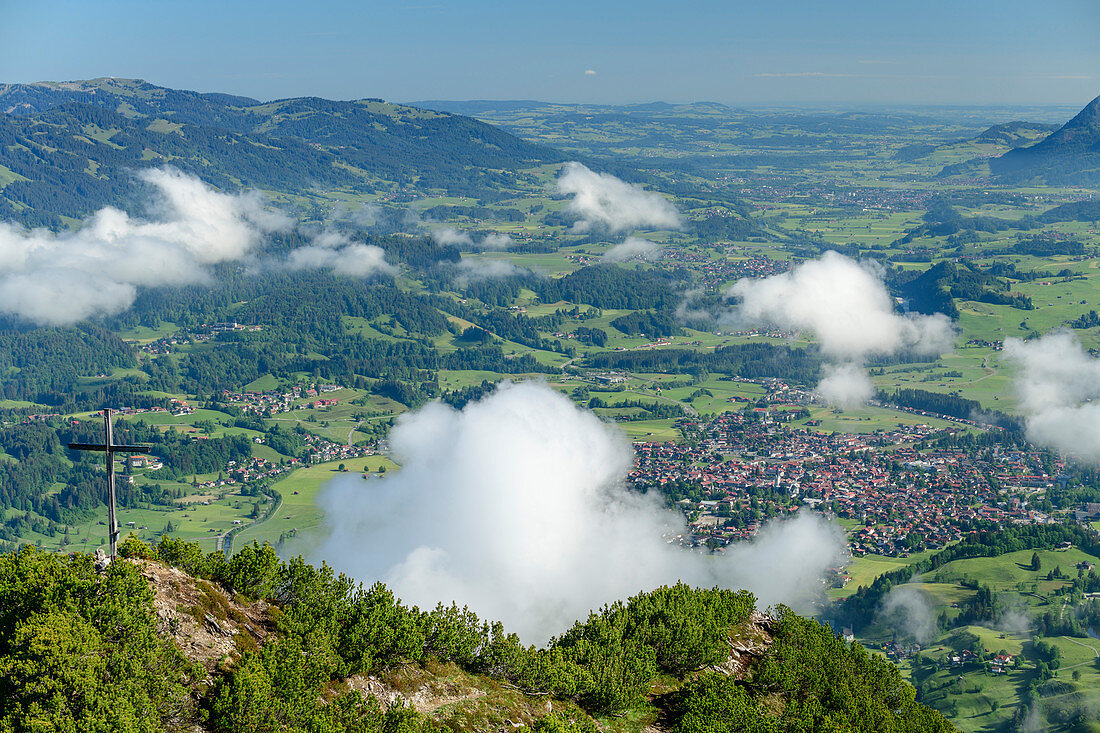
857,52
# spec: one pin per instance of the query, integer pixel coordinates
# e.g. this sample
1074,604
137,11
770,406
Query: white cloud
589,72
846,306
602,200
458,238
906,611
63,278
633,248
845,385
366,215
495,241
356,260
332,250
452,236
515,506
478,270
1056,383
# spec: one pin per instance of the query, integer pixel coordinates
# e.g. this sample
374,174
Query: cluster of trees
594,336
1047,247
605,663
80,650
458,398
937,402
611,286
1073,211
655,324
1086,320
652,410
754,360
942,219
935,290
44,364
824,683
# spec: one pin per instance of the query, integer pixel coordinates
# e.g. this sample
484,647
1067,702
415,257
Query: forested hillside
257,644
68,149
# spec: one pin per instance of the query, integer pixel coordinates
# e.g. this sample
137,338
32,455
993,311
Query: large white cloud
1056,383
850,312
62,278
515,506
602,200
845,305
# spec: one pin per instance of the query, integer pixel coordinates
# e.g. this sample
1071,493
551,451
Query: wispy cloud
788,74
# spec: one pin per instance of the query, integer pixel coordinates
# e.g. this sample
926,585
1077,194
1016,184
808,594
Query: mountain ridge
68,148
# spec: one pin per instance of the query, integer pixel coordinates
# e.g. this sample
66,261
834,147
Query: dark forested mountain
69,148
131,97
1069,155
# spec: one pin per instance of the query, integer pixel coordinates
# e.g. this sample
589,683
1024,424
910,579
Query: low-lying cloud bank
602,200
1056,383
334,251
516,507
633,248
60,278
54,279
478,270
846,305
458,238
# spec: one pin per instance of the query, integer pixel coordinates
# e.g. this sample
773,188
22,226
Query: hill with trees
69,148
172,639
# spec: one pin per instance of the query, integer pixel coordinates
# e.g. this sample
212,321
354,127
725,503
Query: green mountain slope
69,148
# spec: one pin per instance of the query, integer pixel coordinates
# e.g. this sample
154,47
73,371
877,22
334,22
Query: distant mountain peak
1085,123
1069,155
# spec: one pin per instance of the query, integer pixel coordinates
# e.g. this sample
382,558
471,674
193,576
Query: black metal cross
110,449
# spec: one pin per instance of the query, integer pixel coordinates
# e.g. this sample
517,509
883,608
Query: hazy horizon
603,52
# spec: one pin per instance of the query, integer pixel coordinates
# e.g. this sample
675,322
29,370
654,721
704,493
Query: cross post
110,449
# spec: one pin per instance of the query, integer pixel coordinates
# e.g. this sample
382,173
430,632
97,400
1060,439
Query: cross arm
114,448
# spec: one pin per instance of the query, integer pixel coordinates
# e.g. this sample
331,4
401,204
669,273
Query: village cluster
273,401
740,469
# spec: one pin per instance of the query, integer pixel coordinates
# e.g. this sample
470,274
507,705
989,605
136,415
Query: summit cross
110,448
